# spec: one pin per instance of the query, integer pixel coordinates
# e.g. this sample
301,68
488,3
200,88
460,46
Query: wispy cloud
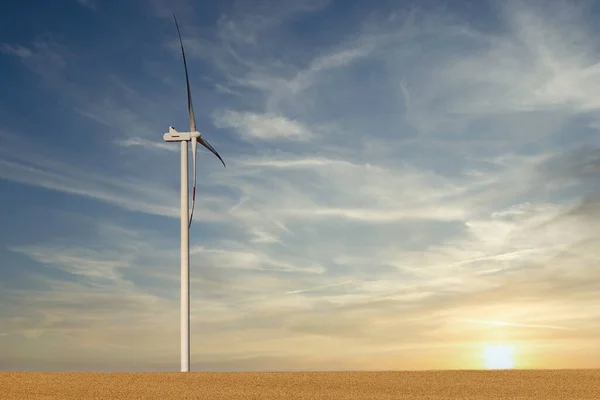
319,287
502,323
19,51
91,4
110,191
35,169
145,143
77,261
44,57
265,127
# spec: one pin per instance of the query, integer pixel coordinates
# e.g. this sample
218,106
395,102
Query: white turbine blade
192,125
204,143
187,82
194,148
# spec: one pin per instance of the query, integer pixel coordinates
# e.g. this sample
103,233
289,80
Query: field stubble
512,384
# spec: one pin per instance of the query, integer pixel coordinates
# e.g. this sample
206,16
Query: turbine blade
187,82
194,152
204,143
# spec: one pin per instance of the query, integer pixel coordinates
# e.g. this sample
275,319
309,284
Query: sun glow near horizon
498,356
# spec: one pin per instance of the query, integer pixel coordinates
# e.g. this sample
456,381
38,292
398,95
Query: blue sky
407,183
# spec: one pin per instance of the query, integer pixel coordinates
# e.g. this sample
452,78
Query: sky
408,184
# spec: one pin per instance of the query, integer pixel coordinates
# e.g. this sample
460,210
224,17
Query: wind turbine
186,222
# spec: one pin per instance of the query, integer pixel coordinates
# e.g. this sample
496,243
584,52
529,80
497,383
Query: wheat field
505,384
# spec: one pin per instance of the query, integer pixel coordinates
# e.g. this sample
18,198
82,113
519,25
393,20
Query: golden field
503,384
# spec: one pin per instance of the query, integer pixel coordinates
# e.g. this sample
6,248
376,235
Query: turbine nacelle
175,136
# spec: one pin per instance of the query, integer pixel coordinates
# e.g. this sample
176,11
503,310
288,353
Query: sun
499,357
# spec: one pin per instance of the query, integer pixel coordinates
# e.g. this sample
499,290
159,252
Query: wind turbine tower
186,214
